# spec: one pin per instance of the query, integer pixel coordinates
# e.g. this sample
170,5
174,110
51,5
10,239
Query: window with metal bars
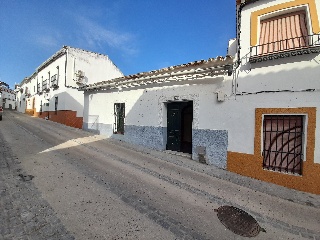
283,143
119,115
54,81
39,88
45,84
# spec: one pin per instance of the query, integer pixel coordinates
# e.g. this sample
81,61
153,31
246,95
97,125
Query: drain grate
238,221
26,178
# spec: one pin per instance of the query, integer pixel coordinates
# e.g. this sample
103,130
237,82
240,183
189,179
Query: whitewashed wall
143,105
96,67
287,79
233,119
20,101
7,99
146,116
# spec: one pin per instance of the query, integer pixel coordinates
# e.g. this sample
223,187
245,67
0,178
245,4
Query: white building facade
168,109
262,122
51,91
277,88
7,96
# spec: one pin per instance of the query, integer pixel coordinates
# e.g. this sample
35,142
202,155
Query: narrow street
97,188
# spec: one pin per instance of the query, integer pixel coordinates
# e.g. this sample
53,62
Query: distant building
51,92
254,112
7,96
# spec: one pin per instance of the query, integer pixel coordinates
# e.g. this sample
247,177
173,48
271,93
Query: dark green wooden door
179,126
174,126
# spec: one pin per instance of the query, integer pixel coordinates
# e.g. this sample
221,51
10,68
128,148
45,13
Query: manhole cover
238,221
26,178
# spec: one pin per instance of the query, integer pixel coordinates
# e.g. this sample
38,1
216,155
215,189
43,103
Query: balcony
45,85
39,90
285,48
54,81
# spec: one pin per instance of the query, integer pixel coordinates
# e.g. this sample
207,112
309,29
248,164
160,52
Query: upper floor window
285,32
39,89
48,82
284,36
27,92
45,85
54,81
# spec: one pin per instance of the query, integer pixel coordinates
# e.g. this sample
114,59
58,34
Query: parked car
1,111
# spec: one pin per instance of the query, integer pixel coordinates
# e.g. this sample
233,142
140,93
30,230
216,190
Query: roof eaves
201,64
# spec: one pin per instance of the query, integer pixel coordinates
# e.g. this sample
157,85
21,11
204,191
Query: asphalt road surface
105,189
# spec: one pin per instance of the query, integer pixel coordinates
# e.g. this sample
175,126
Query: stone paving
24,214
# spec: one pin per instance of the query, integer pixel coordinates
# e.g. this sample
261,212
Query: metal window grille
39,87
45,84
119,114
283,143
54,81
293,46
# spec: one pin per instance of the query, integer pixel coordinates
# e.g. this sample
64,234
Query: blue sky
137,35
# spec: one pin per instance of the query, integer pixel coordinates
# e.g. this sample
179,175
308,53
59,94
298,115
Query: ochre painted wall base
251,166
30,112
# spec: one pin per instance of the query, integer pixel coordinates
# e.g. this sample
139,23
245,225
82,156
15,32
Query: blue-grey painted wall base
215,142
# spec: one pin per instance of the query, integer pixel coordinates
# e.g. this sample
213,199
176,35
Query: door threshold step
181,154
